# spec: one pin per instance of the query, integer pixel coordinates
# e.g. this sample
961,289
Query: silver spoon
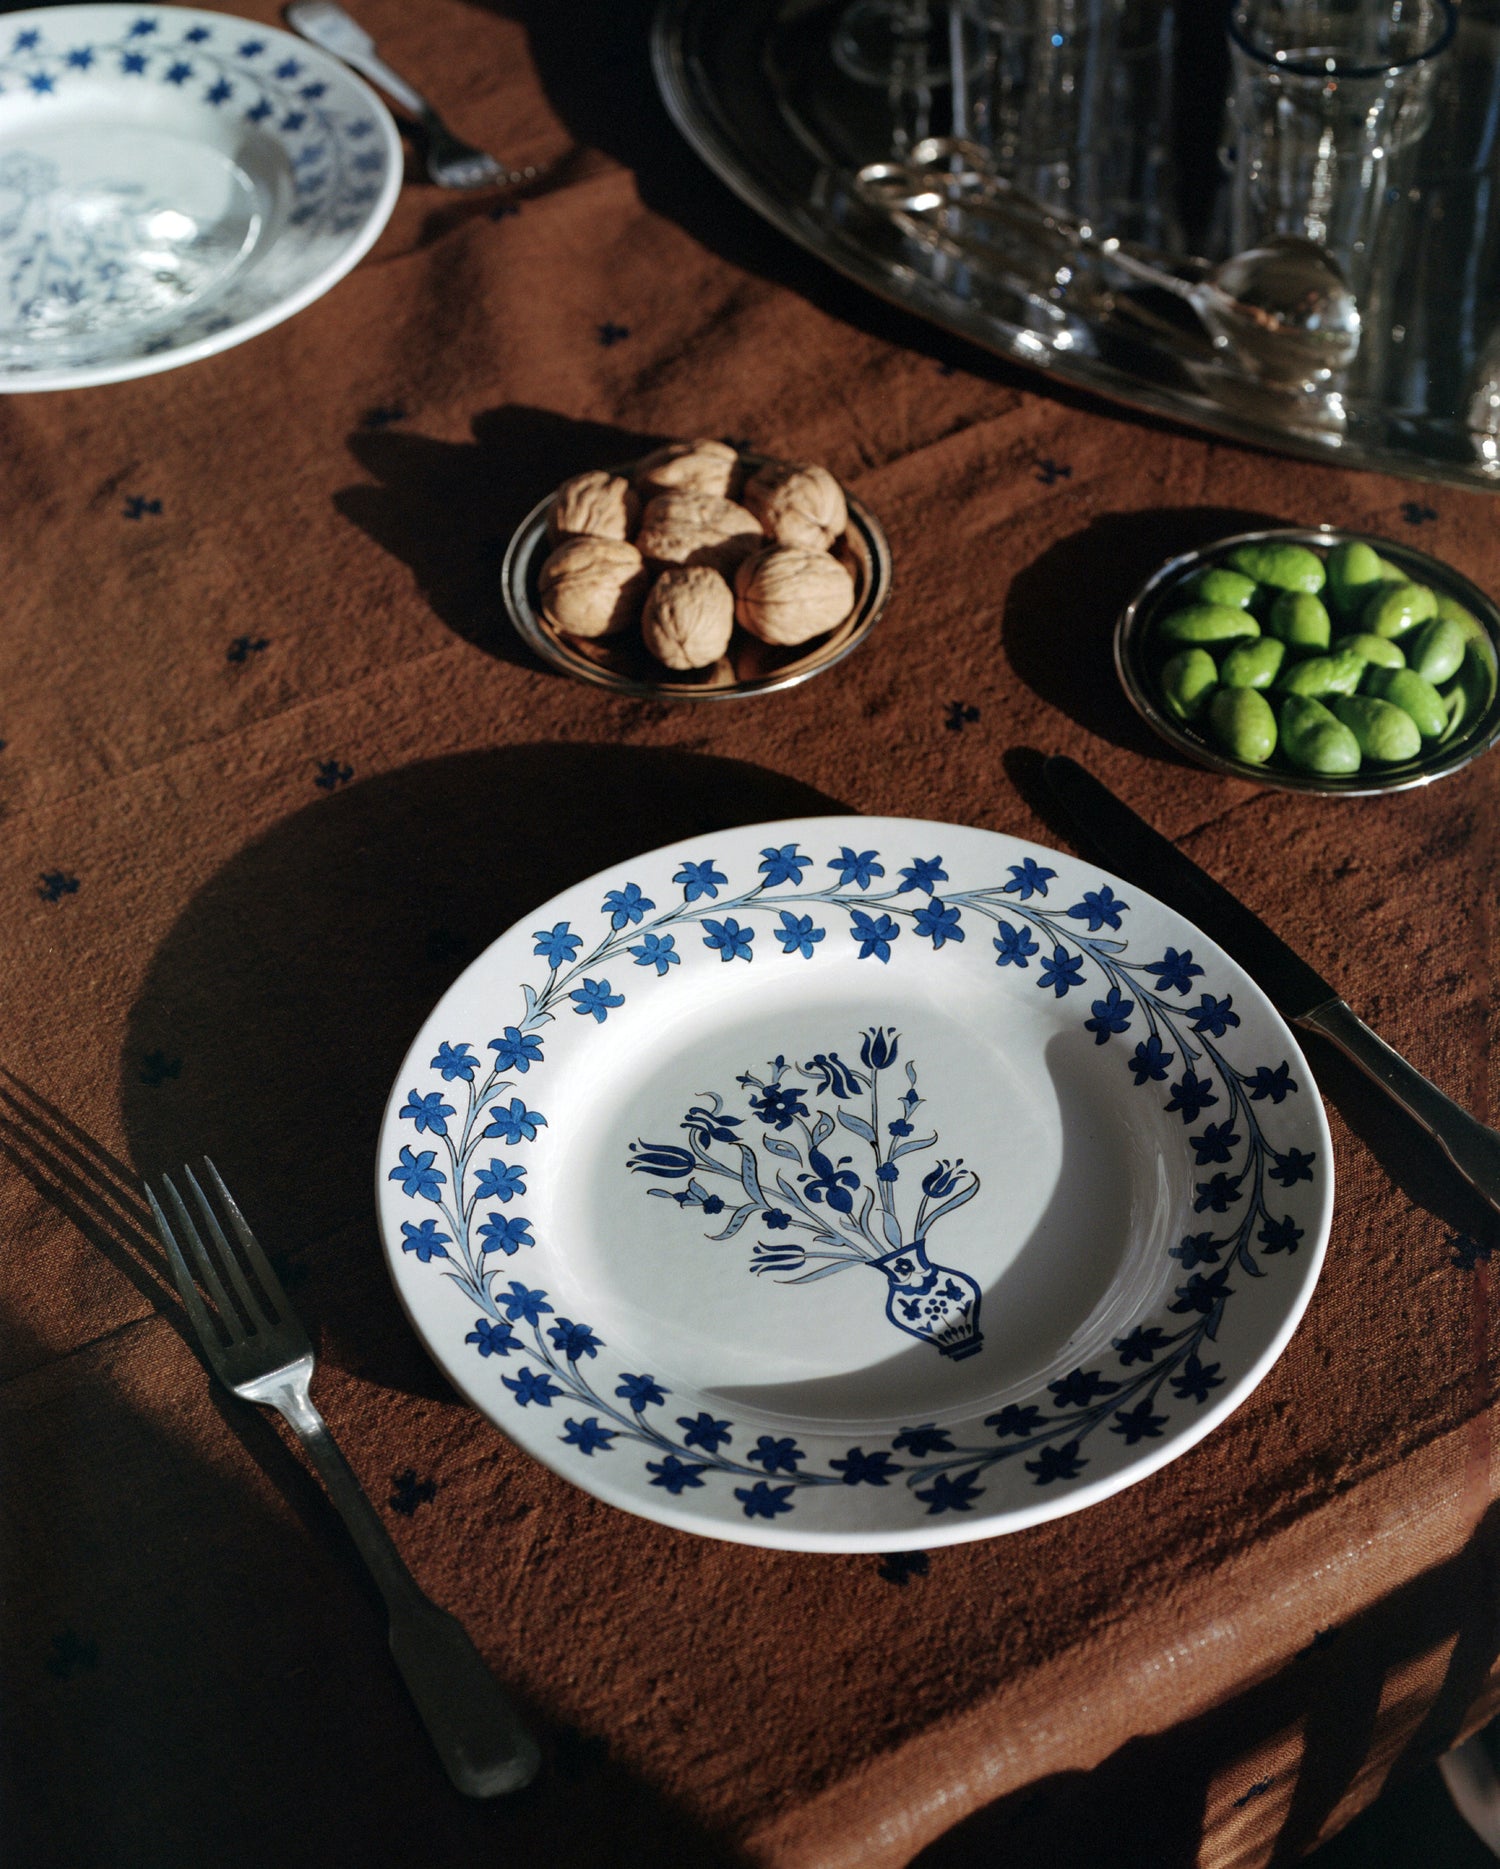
1283,309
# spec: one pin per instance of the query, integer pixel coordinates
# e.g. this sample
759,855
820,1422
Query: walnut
593,506
689,467
784,595
688,617
697,529
593,587
801,506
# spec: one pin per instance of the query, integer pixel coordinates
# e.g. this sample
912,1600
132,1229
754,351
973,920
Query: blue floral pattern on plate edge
339,162
1164,1363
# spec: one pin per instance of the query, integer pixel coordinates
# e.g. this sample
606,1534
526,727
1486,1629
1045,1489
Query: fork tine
228,1316
253,1309
197,1310
259,1263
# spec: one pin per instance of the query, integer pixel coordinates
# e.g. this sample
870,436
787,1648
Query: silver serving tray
754,89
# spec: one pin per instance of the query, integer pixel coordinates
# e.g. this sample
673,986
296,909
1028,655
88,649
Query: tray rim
692,108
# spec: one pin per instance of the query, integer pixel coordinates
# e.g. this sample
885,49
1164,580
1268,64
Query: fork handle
479,1737
331,28
392,83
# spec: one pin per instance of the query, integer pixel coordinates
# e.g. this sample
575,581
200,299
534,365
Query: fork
451,162
256,1346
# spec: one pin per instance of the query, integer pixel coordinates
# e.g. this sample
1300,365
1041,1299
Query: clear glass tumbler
1328,102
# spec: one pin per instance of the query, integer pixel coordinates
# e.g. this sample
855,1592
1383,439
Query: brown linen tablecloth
274,769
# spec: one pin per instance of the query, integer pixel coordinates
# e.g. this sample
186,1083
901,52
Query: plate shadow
1072,595
289,989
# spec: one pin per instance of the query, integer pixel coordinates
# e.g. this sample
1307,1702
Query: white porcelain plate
171,183
854,1184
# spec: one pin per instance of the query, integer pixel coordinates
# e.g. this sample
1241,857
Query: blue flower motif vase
932,1302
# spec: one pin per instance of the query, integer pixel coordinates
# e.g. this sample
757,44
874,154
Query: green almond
1201,623
1315,740
1386,734
1240,719
1287,567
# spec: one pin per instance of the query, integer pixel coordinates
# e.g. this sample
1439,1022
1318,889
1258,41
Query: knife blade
1129,846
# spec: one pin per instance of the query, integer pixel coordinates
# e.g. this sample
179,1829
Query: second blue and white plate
171,183
854,1184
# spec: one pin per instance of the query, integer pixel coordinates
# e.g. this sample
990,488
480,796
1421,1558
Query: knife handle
1473,1149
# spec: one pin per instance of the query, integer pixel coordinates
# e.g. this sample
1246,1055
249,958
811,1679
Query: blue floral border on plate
338,161
1120,1395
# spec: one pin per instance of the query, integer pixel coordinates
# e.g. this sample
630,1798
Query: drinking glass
1328,102
1039,107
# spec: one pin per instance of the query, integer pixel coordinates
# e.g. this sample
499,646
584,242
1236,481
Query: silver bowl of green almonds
1315,660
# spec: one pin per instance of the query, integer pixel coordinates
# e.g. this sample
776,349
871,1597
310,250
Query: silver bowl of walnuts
699,572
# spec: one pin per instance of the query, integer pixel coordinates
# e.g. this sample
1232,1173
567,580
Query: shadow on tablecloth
1060,611
1152,1803
595,68
216,1672
448,508
290,988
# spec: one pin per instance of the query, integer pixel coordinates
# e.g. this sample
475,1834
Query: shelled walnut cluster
690,545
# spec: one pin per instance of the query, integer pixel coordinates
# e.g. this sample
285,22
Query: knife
1301,994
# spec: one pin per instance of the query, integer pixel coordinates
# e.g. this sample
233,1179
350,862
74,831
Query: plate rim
938,1532
130,369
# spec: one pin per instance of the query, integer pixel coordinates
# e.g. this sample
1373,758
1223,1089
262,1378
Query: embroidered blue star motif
897,1566
133,63
40,82
410,1492
27,41
157,1067
142,28
81,57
